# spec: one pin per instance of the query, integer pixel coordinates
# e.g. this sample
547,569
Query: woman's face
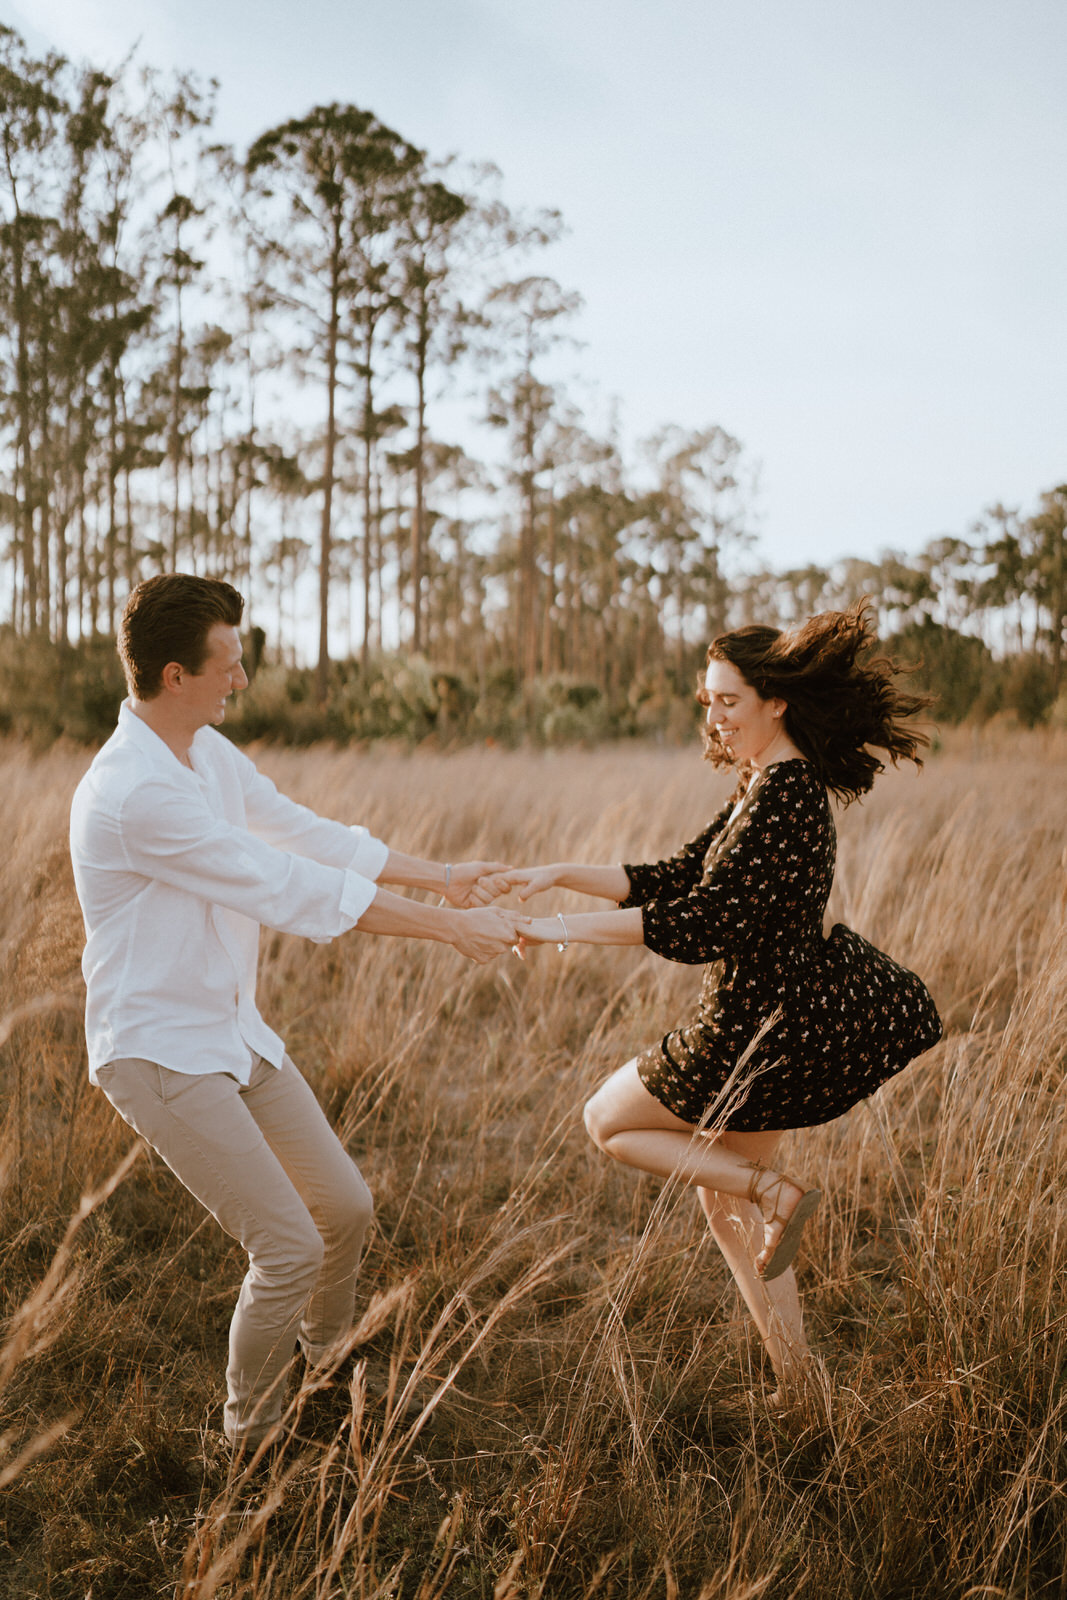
744,724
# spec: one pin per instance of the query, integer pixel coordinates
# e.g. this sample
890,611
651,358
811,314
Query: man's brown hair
168,618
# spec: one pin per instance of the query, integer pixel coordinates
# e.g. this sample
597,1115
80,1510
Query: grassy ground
573,1400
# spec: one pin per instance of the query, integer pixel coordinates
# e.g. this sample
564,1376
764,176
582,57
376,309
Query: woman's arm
781,837
584,927
781,844
678,874
634,884
607,883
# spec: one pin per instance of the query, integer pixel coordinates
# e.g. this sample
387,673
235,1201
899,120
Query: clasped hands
489,930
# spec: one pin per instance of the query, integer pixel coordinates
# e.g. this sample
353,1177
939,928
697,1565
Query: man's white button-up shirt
176,869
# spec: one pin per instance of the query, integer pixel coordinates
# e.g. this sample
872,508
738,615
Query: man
181,850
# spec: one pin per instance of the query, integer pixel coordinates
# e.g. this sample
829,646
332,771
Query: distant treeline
49,691
234,362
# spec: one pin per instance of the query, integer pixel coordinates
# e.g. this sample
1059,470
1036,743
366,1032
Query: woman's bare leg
628,1123
736,1225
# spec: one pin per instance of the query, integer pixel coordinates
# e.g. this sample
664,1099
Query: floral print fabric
792,1027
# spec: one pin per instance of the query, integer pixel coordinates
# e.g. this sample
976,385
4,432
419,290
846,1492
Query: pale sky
835,227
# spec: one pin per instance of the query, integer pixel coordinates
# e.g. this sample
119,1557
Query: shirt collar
134,729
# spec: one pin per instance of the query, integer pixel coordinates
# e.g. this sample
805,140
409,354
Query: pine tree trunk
175,436
368,531
548,643
23,446
322,674
418,541
1058,603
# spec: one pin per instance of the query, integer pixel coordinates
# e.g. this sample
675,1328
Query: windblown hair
840,699
168,618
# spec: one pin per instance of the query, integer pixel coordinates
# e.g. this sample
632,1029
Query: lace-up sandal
793,1221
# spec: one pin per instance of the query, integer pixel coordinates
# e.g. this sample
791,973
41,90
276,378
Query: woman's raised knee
598,1122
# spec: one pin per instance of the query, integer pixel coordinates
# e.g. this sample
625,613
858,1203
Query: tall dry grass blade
35,1321
36,1447
40,1006
34,1313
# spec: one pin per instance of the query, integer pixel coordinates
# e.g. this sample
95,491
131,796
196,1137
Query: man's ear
170,678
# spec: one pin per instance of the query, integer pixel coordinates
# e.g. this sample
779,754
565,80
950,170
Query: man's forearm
392,913
412,872
480,932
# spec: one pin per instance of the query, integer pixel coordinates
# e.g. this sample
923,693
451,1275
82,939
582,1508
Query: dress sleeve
677,874
751,883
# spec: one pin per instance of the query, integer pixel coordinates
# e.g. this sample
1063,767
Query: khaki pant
265,1162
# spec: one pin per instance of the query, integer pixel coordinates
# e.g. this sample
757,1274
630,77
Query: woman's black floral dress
748,897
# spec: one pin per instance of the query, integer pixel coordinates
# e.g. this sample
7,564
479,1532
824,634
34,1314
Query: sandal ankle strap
758,1169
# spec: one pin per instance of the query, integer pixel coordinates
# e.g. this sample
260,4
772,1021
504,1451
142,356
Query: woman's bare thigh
622,1103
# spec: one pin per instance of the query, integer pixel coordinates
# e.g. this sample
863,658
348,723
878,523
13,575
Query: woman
792,1028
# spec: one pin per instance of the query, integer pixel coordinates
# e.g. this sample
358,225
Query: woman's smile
748,727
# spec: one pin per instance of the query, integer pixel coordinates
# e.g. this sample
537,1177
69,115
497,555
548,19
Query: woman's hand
476,883
532,880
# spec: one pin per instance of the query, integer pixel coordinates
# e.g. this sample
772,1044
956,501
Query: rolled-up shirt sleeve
176,839
290,826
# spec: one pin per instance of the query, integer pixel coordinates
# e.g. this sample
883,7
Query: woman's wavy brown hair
840,699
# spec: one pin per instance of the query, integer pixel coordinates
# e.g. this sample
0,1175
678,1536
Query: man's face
204,693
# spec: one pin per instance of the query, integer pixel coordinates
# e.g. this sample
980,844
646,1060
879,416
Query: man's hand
477,883
483,934
480,932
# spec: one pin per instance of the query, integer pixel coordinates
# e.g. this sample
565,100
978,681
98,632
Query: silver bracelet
448,875
566,935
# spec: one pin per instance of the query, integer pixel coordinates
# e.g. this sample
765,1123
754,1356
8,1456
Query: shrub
1028,689
956,668
48,691
566,710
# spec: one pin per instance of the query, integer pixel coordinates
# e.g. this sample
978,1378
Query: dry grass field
565,1399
